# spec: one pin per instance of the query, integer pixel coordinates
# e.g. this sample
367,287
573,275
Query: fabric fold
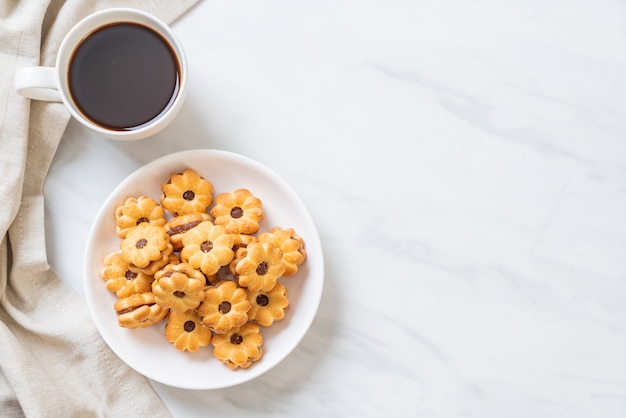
53,362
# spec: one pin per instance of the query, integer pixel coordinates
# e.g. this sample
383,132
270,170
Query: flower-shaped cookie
146,244
186,332
186,192
240,347
240,212
139,310
178,287
136,210
121,280
268,307
179,225
291,245
207,247
225,306
261,267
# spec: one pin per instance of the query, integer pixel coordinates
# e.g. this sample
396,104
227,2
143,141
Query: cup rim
92,23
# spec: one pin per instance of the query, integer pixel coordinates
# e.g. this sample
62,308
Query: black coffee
123,76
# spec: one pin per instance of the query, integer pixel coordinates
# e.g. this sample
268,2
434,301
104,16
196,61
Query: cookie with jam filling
179,287
178,226
121,280
239,212
207,247
139,310
136,210
186,192
261,267
290,244
239,347
146,245
186,331
225,306
268,307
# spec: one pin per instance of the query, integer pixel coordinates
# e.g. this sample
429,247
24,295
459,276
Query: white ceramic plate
146,349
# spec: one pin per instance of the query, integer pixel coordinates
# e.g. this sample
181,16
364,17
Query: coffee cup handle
37,83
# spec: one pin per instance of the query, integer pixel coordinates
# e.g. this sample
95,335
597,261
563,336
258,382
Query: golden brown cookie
186,332
154,266
136,210
207,247
239,212
225,306
242,241
240,347
121,280
186,192
291,245
145,244
179,225
139,310
261,267
268,307
158,265
179,287
238,255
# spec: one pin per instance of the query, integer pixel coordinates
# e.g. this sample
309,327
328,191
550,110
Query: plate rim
313,241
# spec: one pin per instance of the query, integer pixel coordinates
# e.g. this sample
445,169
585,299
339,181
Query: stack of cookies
202,265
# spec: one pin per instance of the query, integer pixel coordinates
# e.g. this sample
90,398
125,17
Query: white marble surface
465,164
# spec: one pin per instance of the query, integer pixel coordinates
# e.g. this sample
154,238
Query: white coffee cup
91,95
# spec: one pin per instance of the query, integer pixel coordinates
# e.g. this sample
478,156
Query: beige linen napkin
53,362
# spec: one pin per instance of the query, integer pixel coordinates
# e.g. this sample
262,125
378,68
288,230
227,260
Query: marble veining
464,165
